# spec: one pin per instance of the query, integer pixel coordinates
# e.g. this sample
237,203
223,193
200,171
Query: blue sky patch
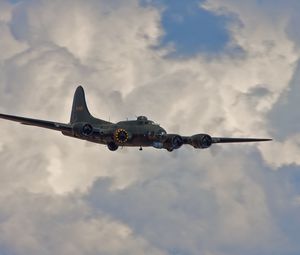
192,29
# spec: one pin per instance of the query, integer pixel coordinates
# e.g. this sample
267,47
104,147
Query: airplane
141,132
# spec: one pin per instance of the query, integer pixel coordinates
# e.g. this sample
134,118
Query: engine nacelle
83,129
173,142
201,141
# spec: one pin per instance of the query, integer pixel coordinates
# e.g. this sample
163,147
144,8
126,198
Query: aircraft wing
237,140
39,123
203,141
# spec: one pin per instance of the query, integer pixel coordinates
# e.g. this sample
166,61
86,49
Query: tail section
80,111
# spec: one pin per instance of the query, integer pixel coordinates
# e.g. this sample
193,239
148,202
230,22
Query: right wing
38,123
238,140
203,141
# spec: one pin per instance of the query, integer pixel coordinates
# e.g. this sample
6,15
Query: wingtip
264,140
261,139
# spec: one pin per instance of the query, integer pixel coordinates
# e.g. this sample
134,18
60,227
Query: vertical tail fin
80,111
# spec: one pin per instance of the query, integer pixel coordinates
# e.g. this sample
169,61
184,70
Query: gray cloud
193,207
40,224
285,114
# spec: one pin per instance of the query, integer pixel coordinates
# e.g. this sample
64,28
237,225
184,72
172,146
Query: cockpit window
161,134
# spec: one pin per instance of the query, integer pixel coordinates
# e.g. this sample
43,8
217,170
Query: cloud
67,196
40,224
194,209
273,49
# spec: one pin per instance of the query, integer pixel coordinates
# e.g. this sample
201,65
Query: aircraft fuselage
141,132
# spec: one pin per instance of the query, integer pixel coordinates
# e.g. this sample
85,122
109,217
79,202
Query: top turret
142,118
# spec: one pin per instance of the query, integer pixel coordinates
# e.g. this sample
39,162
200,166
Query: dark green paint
140,132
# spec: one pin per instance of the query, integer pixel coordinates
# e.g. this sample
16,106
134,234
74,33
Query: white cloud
212,202
283,153
271,61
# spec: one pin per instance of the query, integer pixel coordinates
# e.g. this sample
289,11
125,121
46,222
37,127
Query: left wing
38,123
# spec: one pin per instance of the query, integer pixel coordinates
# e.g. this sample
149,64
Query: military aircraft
140,132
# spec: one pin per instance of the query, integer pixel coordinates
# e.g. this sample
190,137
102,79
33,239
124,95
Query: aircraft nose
161,134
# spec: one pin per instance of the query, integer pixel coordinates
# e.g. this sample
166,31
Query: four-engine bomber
140,132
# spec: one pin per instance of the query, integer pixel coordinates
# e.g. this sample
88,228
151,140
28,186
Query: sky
223,67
